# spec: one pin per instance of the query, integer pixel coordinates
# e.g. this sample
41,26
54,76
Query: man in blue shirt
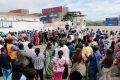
93,62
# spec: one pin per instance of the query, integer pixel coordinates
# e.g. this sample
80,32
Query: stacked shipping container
54,14
111,21
21,11
119,21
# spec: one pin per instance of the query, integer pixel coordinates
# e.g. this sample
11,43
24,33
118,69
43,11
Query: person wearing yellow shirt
87,50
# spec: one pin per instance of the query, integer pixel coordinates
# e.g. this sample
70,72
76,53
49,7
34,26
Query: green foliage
95,23
68,17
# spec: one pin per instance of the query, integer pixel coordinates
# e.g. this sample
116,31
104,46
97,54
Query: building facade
6,19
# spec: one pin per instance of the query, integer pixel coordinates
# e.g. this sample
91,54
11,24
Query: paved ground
42,47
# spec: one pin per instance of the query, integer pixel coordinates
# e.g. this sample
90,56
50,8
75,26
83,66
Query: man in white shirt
65,50
25,43
30,52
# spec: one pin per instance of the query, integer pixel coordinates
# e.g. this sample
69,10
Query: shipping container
64,10
112,18
119,21
111,21
21,11
44,16
111,24
45,21
50,20
55,15
54,10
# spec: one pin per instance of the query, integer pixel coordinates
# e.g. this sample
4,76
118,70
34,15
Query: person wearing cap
107,65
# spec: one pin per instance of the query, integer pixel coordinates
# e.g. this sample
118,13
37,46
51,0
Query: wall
114,28
62,25
18,26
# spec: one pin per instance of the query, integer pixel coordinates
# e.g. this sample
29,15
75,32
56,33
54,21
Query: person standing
25,43
107,65
93,61
45,36
5,63
38,62
58,64
17,72
117,54
12,50
1,45
72,48
36,38
98,34
67,29
30,53
65,50
21,55
32,40
49,58
78,69
87,50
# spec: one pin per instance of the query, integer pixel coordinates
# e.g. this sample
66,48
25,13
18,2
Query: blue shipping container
111,21
119,21
55,15
45,21
113,18
44,16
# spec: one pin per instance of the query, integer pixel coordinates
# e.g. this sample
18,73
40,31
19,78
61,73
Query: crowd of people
90,56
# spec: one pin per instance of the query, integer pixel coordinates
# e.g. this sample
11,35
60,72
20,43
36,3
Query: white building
16,22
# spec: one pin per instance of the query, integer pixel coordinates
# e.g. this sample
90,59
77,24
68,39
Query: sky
94,9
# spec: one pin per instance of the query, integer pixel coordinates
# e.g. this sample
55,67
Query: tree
68,17
95,23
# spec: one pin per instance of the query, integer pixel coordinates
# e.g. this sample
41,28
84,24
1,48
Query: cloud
94,9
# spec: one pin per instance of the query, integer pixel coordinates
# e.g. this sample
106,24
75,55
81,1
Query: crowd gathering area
86,55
